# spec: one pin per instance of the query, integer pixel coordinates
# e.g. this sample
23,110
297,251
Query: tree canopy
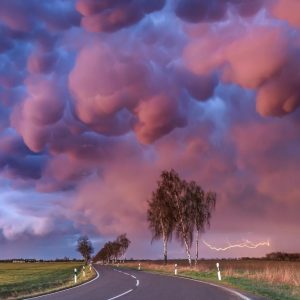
113,250
180,207
85,248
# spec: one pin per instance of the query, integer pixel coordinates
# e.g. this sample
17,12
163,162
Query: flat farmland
276,280
18,280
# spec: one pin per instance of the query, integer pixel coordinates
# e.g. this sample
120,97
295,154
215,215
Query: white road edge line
219,286
70,288
137,283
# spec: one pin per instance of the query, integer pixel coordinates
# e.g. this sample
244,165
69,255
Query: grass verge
239,279
22,280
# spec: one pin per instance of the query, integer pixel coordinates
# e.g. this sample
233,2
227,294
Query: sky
97,97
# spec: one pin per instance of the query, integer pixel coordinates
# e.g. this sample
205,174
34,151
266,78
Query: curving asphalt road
136,285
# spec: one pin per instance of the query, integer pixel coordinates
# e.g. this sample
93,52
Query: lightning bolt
245,244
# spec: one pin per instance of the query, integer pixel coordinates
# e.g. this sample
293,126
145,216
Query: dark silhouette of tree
116,250
160,216
109,250
124,243
85,248
113,250
283,256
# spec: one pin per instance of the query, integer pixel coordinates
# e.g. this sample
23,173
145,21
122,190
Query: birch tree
181,207
124,242
202,207
176,190
160,215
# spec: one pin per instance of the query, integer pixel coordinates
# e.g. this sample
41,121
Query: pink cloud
287,10
90,115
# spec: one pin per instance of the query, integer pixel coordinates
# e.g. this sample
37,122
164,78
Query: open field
18,280
276,280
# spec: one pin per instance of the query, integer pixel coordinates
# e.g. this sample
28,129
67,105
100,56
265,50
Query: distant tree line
180,207
113,250
283,256
33,260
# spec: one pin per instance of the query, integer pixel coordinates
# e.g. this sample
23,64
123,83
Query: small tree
85,248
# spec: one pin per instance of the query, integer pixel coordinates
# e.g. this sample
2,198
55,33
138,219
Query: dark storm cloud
24,16
16,160
214,10
112,15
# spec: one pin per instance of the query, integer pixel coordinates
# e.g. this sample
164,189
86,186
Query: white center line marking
129,291
123,294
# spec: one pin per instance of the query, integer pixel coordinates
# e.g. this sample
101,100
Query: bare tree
85,248
161,220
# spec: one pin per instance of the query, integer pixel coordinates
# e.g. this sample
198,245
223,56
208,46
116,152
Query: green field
274,280
18,280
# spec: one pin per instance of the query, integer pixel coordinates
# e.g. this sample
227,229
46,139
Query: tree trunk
187,248
188,252
165,250
197,248
165,242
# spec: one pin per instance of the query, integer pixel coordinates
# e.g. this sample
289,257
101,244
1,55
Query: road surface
121,284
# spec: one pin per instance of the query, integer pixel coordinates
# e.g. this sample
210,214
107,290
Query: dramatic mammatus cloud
287,10
97,97
264,58
215,10
103,95
112,15
43,107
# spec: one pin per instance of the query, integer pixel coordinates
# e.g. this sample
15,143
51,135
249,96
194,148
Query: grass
275,280
19,280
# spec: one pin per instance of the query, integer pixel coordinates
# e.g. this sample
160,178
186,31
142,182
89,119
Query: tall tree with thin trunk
202,207
176,190
182,207
160,215
124,242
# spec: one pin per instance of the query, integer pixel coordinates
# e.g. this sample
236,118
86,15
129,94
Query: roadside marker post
83,271
75,275
219,273
175,270
139,267
90,267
